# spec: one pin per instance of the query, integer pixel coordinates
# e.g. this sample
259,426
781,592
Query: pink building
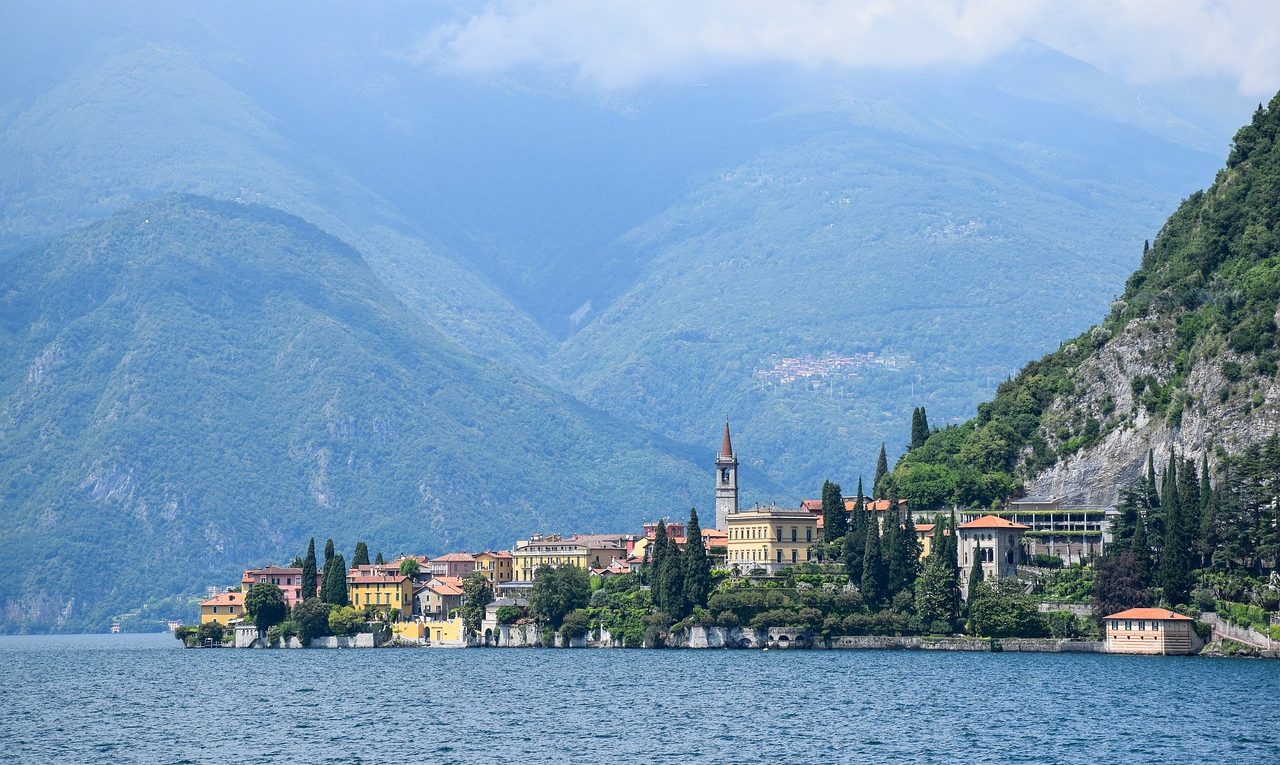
289,580
454,564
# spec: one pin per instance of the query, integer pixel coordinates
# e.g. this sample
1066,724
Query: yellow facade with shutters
384,594
771,538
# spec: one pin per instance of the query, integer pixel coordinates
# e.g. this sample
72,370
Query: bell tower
726,481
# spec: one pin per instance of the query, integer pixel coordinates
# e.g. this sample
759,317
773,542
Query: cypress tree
1189,502
953,558
1153,497
891,551
334,590
697,567
913,548
657,556
309,571
1174,570
380,560
361,557
975,574
328,552
671,581
919,432
1140,546
834,519
882,470
874,575
924,422
855,540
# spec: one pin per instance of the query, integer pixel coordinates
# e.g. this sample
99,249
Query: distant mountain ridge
200,385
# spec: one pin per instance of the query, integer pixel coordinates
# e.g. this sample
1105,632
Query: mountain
1185,361
197,386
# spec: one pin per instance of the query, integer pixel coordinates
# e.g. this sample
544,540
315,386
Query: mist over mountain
810,252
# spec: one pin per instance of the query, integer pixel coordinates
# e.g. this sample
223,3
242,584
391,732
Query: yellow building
222,608
583,552
384,592
448,632
497,567
1151,631
771,538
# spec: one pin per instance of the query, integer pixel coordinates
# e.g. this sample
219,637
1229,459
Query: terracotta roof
924,528
993,522
376,579
459,557
454,581
1150,613
726,447
494,554
443,588
225,599
811,505
881,505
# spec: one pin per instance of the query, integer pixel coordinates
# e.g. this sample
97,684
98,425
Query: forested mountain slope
193,387
1185,362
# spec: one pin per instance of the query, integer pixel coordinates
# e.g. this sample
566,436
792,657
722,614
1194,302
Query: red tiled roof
812,505
453,581
443,588
459,557
993,522
1149,613
924,528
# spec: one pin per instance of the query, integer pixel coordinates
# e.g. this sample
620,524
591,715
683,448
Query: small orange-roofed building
1151,631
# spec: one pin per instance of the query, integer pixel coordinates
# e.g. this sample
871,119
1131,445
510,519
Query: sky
618,44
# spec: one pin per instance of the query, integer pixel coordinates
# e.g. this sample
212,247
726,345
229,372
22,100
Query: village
762,577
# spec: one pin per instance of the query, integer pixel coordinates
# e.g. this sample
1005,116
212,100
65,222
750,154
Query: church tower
726,482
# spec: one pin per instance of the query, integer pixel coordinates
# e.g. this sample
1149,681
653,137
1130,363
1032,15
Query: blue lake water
142,699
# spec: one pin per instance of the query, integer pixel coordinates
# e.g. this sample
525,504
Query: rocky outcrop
1217,412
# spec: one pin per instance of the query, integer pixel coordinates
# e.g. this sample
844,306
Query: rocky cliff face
1220,415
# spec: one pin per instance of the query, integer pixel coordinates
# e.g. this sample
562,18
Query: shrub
727,619
509,614
575,624
1063,624
345,620
1045,560
312,619
211,631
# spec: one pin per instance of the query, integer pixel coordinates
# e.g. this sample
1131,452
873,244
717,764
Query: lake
142,699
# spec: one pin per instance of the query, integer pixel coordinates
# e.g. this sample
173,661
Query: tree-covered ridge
1205,294
193,382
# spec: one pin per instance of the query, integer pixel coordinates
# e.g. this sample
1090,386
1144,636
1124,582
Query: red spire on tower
726,448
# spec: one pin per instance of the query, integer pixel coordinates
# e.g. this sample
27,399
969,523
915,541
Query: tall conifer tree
697,566
834,518
309,571
975,574
855,540
874,574
882,470
361,557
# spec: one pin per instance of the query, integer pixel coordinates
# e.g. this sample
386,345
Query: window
1142,626
1155,626
794,553
779,554
808,534
1128,625
793,533
779,533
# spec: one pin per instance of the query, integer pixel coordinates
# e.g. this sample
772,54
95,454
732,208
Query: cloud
615,44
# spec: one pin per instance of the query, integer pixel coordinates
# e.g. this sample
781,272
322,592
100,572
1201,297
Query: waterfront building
459,564
1072,532
288,579
436,599
726,481
1151,631
222,608
497,567
770,538
384,592
996,542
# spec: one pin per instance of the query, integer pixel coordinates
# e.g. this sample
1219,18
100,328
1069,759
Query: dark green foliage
878,489
875,574
309,581
557,590
919,427
666,574
264,605
1174,573
937,590
211,632
834,518
346,620
477,592
361,556
975,574
576,623
1140,548
379,560
333,590
1241,526
328,553
409,567
1000,609
855,539
697,567
312,618
1120,585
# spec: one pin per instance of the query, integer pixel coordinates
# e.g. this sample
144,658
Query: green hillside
1192,337
196,386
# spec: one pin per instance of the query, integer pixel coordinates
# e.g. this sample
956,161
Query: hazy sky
621,43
